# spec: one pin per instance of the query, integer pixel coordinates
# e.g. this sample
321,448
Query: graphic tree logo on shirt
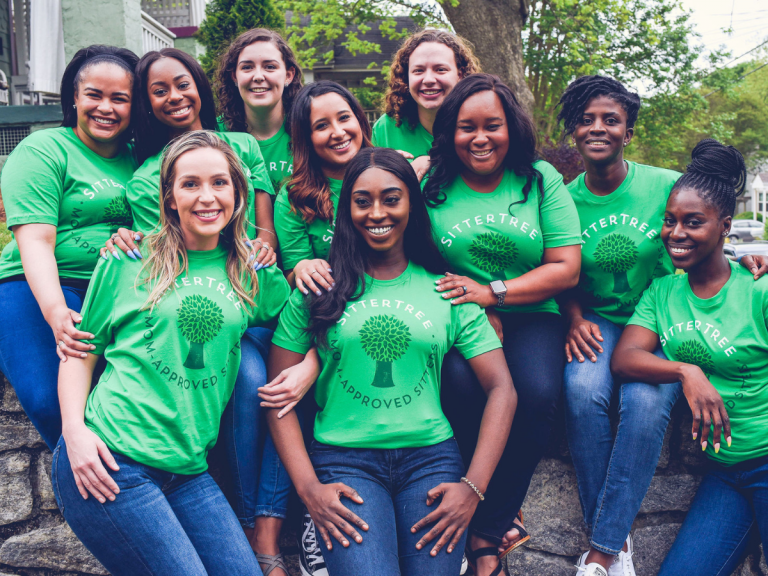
200,320
493,253
693,352
617,254
385,339
118,212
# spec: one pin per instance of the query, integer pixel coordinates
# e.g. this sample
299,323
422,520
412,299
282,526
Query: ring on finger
464,288
114,237
313,271
61,344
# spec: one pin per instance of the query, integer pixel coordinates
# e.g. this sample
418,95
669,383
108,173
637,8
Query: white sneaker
591,569
623,565
464,565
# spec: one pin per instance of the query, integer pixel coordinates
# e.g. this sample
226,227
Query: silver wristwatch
500,290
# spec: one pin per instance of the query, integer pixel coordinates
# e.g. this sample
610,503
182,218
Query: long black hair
579,92
151,134
717,173
522,138
84,59
349,252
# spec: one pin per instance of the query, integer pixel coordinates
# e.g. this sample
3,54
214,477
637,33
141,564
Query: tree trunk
495,29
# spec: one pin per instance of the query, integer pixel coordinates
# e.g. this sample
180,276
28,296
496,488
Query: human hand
450,518
757,264
707,407
262,254
495,319
404,154
62,321
125,240
289,387
421,166
463,289
331,517
313,273
86,452
583,336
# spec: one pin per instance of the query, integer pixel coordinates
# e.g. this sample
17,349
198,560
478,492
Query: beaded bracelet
469,483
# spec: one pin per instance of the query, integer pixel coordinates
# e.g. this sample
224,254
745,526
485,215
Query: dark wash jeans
28,354
393,485
729,503
534,349
159,523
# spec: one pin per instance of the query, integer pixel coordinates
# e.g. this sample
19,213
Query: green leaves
616,253
118,212
693,352
385,338
493,252
199,318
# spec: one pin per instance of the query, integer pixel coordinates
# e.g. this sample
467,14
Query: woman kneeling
170,331
381,438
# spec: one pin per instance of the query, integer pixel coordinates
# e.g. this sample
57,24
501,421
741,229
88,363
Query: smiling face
693,229
173,95
103,102
602,132
203,196
432,74
482,134
336,133
380,208
261,75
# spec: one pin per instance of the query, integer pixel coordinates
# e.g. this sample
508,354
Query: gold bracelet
477,491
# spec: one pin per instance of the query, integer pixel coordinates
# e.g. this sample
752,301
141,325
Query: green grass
5,235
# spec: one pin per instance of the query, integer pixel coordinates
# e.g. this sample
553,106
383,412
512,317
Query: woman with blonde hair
424,71
133,451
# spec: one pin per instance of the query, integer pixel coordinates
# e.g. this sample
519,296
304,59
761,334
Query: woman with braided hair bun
621,205
712,325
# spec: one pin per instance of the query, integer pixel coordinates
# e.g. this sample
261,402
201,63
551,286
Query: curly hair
522,139
400,105
579,92
308,190
231,106
718,173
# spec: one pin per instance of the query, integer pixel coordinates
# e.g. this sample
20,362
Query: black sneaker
310,557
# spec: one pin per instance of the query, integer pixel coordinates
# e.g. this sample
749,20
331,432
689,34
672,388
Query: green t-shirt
414,141
727,337
380,381
278,158
51,177
622,251
299,240
170,372
480,239
144,188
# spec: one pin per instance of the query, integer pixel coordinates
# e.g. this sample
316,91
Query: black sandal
473,555
524,536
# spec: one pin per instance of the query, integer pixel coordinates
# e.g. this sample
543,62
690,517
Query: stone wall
34,540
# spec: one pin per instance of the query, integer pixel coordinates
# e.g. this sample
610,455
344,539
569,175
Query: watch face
498,287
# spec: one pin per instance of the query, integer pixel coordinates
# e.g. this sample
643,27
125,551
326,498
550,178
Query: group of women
448,289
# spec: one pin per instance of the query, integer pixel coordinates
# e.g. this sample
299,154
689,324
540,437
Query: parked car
734,251
746,230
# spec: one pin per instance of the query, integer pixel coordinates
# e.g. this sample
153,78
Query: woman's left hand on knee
450,518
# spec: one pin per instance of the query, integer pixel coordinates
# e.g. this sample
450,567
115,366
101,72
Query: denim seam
605,483
746,535
59,502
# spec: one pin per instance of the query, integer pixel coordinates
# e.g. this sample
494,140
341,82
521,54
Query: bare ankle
605,560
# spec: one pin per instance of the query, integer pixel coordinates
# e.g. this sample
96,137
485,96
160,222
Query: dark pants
393,485
28,354
534,349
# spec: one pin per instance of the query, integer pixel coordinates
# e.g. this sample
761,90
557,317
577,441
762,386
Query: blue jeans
28,354
260,480
613,475
729,503
394,486
159,523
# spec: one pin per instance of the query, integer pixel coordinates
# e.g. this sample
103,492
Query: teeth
180,112
680,250
104,121
379,231
430,92
342,145
259,90
208,214
481,152
597,143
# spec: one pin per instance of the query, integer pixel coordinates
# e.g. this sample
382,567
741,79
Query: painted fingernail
138,254
258,266
251,257
115,254
333,283
704,446
318,293
248,243
330,288
365,526
104,256
137,238
306,292
268,265
130,255
358,539
695,434
329,270
728,440
93,347
717,448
